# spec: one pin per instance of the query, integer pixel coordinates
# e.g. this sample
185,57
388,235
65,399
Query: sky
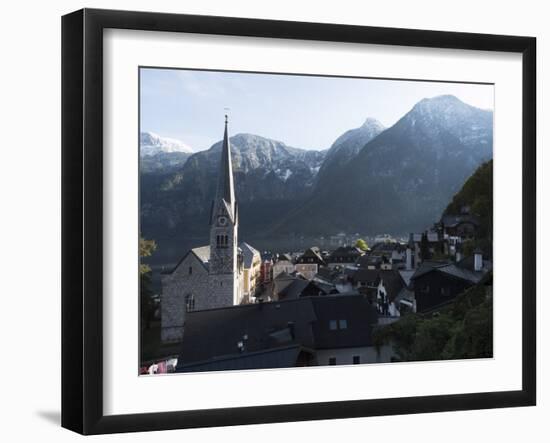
307,112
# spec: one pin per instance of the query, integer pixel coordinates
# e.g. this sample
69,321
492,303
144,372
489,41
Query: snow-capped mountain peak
152,144
373,125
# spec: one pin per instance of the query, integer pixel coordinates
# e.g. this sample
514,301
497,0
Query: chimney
478,260
409,259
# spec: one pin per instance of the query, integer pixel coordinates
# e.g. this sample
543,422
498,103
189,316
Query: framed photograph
269,221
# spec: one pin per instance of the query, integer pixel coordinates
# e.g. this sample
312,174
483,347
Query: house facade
283,263
437,283
252,264
309,262
344,256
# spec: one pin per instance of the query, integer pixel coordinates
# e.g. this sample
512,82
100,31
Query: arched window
189,302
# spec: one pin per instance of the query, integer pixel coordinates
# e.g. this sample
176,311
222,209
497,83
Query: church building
208,276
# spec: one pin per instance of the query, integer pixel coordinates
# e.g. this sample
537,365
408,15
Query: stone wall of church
222,291
189,278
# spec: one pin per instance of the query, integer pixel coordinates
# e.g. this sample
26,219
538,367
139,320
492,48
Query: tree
362,244
146,249
147,306
464,329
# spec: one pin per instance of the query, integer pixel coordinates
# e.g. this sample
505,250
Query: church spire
225,177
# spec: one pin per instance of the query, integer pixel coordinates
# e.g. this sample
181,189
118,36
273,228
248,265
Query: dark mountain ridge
372,180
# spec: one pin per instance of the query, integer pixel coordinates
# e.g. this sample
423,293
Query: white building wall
308,270
367,354
283,266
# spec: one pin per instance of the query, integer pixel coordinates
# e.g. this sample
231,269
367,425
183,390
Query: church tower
223,265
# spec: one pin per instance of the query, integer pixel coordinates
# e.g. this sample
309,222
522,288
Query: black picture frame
82,215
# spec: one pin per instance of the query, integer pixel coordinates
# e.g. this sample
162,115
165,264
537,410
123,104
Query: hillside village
349,300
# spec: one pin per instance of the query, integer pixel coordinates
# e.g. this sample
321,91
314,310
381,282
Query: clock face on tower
222,221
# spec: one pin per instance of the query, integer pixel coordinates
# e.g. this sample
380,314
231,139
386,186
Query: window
332,361
338,324
189,302
190,270
356,359
222,241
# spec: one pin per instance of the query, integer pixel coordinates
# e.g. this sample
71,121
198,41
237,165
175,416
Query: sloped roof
312,253
427,266
292,290
360,317
248,254
325,288
285,257
367,275
202,253
214,334
217,332
463,274
350,253
393,283
387,247
282,357
406,275
326,274
368,259
282,281
463,270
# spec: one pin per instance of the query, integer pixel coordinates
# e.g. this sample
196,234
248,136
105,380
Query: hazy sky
302,111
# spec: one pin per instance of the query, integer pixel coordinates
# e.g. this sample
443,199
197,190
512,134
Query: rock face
347,146
372,180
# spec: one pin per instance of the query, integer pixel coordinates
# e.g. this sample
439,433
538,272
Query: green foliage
463,329
147,305
146,249
362,244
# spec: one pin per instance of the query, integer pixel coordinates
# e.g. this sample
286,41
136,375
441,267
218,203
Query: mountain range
371,180
161,154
